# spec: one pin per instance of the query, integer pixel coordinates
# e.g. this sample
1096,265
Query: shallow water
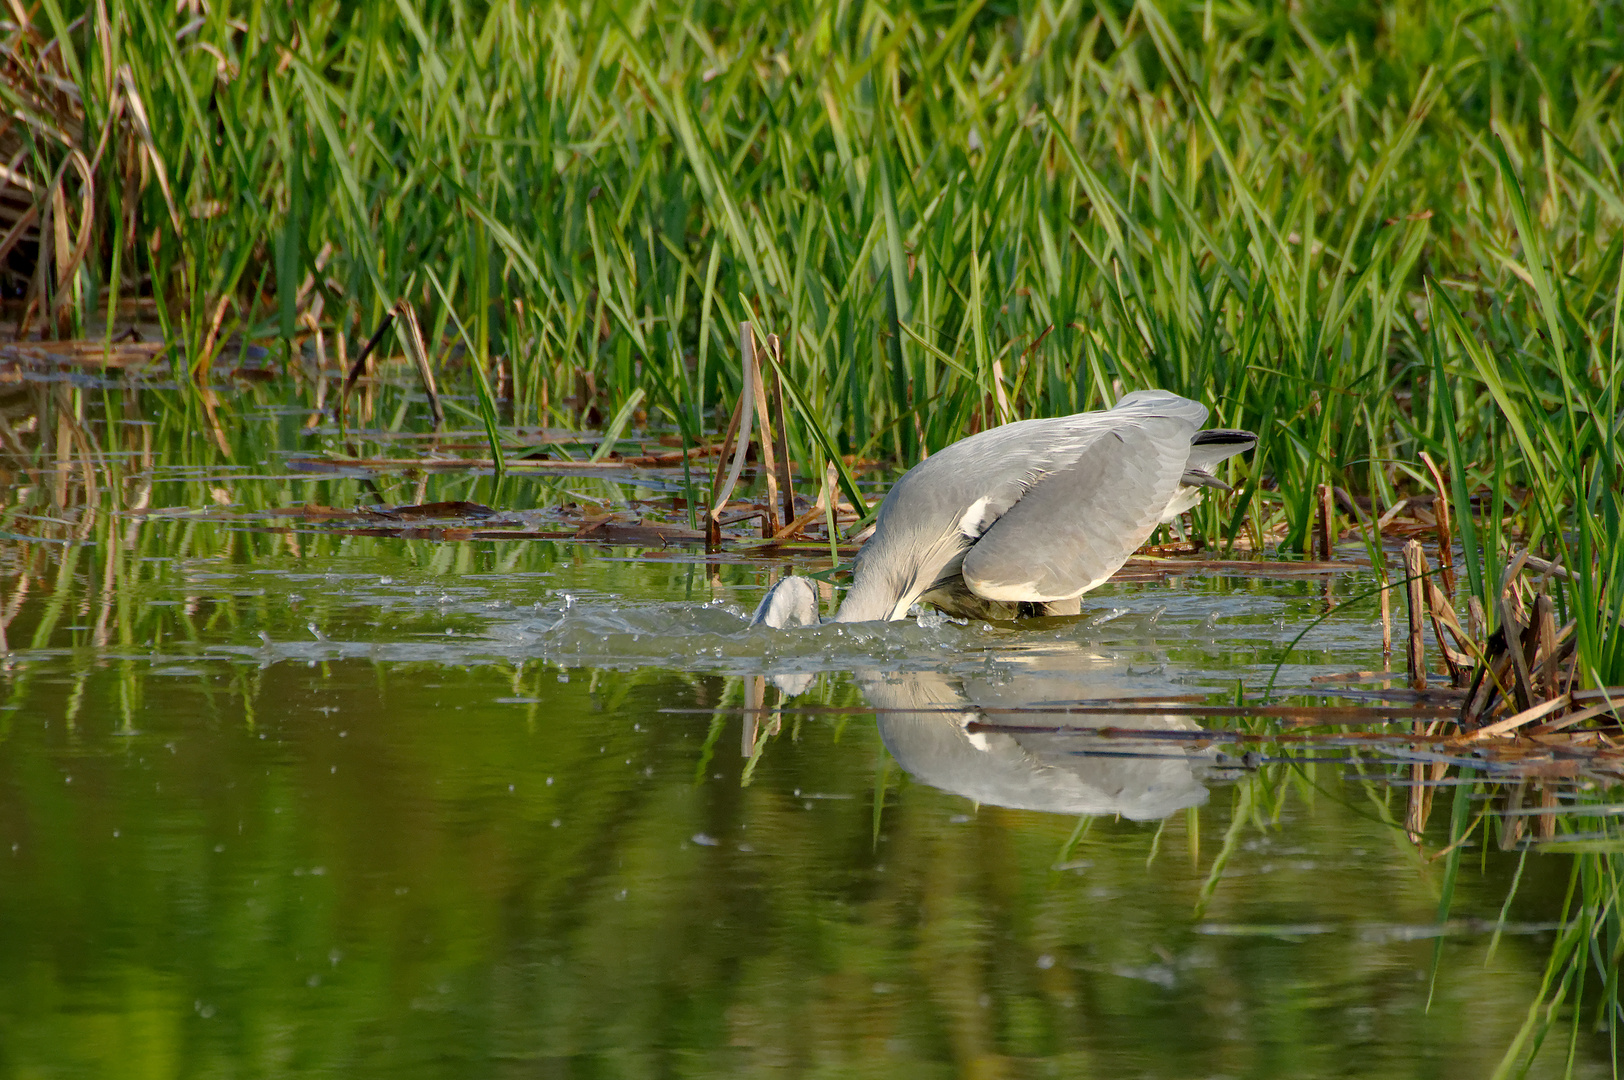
277,800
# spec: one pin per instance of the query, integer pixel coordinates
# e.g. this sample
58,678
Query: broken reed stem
1544,612
737,443
1387,622
1323,527
1525,666
757,398
361,358
786,480
1516,645
417,348
1443,615
1414,572
769,463
320,405
829,495
1440,511
813,512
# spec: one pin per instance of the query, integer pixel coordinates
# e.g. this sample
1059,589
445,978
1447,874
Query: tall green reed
952,216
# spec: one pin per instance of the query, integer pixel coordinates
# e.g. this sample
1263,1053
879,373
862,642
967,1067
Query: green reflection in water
428,869
286,803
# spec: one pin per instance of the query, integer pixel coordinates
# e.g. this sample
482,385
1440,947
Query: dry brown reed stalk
786,480
417,349
1387,620
760,405
1325,526
54,164
769,458
1440,509
1523,683
359,368
736,443
1521,697
319,407
211,342
1416,655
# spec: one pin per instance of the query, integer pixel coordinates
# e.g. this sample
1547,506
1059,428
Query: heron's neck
870,599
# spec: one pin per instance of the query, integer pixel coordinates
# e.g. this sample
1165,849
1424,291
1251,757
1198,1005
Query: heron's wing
1162,403
1078,524
1210,448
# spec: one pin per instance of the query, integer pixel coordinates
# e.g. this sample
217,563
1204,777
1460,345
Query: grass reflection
399,874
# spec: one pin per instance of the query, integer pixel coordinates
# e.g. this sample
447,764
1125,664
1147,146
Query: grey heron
1027,517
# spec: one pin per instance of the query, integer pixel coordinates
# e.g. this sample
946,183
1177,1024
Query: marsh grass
1310,218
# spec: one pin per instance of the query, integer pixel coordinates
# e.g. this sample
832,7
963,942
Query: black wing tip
1200,478
1223,437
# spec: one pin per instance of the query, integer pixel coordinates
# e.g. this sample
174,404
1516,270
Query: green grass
943,211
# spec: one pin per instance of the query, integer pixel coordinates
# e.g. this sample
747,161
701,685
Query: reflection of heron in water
1025,518
925,718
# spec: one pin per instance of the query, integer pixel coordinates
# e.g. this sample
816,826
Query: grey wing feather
1162,403
1076,526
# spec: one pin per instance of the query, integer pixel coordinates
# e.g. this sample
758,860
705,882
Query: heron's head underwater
1027,517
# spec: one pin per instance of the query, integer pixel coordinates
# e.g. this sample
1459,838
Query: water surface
281,800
